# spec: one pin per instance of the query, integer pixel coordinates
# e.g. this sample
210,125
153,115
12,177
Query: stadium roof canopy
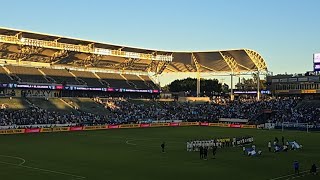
29,46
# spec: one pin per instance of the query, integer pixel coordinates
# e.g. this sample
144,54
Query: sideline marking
289,176
15,157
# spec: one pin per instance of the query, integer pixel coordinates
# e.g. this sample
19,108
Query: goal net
294,126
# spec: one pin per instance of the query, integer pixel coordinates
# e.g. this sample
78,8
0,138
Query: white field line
129,142
289,175
15,157
295,177
40,169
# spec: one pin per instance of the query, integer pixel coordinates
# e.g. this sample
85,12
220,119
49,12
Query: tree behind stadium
208,86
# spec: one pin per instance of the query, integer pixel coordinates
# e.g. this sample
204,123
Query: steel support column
231,88
258,85
196,63
198,83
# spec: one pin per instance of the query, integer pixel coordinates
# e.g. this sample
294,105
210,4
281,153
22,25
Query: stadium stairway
113,80
51,104
263,117
308,104
129,82
26,74
149,82
14,103
79,80
86,105
4,75
50,80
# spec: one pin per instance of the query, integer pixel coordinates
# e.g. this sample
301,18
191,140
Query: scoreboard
316,62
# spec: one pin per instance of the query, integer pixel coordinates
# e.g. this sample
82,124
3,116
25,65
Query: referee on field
162,147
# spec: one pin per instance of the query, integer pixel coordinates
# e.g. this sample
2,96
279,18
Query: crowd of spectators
38,116
121,110
301,114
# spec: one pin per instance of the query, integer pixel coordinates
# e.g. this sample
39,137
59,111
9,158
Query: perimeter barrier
121,126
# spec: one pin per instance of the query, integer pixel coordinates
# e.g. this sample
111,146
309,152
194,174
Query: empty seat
4,78
149,82
27,74
138,82
88,77
114,80
61,76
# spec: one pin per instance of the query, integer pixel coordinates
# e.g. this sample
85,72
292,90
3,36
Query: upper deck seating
138,83
61,76
114,80
27,74
89,78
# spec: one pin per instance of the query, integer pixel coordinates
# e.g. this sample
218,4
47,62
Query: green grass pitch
136,154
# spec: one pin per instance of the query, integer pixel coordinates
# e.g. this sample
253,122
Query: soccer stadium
77,109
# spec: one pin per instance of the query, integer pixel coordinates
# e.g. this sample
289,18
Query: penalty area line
44,170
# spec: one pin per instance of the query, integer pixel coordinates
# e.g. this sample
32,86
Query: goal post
295,126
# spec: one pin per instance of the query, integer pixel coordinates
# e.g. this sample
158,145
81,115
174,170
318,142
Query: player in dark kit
201,152
313,169
205,153
162,147
296,167
214,150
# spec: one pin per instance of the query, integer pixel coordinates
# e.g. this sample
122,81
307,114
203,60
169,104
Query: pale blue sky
285,32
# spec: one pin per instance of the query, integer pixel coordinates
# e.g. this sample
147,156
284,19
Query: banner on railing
129,125
113,126
189,124
46,130
174,124
249,126
224,125
160,124
214,124
88,128
204,124
12,131
60,129
77,128
34,130
121,126
235,125
144,125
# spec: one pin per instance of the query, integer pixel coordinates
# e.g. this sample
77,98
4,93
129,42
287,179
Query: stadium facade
306,85
303,85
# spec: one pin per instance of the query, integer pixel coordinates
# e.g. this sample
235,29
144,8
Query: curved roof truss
58,50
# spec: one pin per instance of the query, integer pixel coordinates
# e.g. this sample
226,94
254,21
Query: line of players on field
277,147
203,146
219,143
